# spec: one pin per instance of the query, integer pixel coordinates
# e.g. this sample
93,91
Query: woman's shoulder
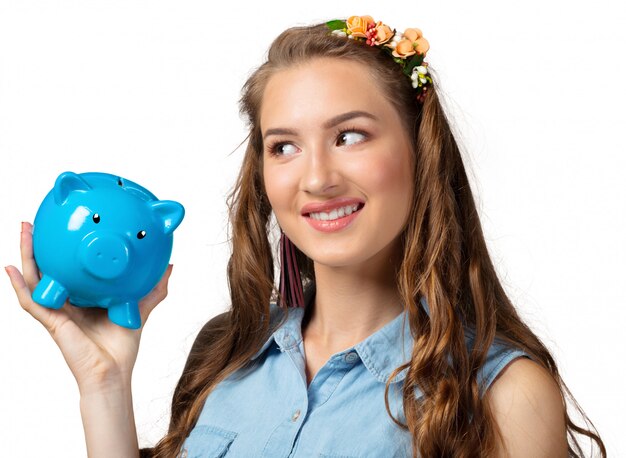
213,326
220,323
207,334
528,408
499,356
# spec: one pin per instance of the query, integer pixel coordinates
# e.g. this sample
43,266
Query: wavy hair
445,259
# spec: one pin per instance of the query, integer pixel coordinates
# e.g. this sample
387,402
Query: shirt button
295,415
350,357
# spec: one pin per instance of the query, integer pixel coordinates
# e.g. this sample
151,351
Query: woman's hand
98,352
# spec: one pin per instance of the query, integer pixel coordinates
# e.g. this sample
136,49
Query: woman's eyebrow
332,122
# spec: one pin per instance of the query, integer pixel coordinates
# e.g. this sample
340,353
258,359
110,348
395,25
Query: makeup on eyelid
272,146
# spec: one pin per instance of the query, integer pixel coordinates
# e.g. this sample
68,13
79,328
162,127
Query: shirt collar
382,352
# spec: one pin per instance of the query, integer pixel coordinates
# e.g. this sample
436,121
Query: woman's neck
351,303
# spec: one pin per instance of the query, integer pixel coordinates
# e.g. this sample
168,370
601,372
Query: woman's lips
336,224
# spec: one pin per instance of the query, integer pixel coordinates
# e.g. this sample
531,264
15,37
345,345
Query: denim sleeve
499,357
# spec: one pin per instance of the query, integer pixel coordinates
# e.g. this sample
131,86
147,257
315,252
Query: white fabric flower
417,75
340,33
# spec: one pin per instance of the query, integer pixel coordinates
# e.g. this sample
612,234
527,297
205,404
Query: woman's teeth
335,214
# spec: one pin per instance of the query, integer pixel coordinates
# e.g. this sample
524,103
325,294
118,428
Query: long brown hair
445,259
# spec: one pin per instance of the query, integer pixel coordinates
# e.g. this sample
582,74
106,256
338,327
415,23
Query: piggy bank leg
125,314
50,293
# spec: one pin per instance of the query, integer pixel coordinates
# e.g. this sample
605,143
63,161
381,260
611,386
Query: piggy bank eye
141,234
96,218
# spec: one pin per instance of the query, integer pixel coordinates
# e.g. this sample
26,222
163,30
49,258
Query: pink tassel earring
290,283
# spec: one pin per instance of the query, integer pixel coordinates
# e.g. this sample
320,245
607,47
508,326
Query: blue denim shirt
268,410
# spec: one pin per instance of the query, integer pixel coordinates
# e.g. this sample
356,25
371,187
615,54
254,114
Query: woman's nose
319,174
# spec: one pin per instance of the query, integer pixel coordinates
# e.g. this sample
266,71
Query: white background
149,89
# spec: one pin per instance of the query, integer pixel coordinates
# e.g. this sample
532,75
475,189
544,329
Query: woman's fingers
154,297
29,266
26,283
44,315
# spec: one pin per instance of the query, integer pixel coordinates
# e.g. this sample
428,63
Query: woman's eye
284,149
346,136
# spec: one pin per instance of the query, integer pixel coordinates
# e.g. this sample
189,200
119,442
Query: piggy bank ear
66,183
169,212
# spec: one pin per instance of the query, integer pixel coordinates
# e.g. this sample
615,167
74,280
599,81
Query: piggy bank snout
104,255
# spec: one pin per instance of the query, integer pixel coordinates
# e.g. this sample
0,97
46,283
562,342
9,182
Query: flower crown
407,49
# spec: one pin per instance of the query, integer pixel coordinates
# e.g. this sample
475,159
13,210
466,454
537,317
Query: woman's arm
109,421
101,356
529,412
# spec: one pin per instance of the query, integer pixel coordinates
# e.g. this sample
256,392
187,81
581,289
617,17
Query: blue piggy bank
102,241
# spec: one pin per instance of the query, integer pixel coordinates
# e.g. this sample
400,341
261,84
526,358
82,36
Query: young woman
389,334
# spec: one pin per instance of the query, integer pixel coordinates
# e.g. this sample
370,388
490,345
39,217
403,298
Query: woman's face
331,138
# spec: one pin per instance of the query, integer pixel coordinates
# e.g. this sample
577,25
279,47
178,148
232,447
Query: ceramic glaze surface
101,240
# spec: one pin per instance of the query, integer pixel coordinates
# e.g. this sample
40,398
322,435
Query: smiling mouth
327,214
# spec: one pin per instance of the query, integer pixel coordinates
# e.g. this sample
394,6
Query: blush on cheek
281,185
383,175
391,181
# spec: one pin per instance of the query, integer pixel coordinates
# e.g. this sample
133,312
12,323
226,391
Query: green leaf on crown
415,61
336,24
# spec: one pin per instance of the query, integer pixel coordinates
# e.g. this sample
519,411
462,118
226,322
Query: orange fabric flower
412,34
420,44
357,25
404,48
383,33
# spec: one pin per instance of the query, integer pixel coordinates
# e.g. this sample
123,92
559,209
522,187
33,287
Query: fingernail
23,225
6,269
